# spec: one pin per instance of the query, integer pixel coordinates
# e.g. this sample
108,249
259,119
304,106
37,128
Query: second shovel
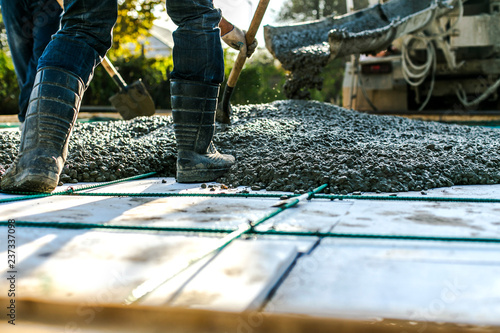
132,100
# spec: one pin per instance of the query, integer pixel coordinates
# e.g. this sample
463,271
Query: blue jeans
85,36
197,52
29,25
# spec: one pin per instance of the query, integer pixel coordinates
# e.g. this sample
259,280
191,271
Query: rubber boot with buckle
51,115
193,111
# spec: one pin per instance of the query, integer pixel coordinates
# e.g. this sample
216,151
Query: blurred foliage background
260,82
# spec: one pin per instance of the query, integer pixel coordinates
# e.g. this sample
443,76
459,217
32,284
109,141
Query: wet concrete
105,151
294,146
305,49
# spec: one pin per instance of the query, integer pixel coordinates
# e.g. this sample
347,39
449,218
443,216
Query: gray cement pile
295,146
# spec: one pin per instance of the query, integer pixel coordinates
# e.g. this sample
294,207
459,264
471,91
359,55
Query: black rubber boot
52,112
193,111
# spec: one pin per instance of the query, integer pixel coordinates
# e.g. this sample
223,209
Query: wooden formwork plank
40,316
421,281
240,277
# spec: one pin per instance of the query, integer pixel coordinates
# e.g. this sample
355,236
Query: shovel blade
133,101
224,109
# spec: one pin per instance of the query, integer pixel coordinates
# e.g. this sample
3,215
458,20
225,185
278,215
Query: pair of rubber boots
52,112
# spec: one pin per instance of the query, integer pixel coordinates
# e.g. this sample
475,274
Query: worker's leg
30,26
198,72
64,71
84,37
197,52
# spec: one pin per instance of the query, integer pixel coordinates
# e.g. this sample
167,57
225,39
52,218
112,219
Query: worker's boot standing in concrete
50,117
198,72
64,71
197,75
193,111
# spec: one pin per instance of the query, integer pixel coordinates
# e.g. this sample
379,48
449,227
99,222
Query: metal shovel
132,100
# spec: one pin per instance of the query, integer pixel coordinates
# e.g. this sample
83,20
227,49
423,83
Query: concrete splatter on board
294,146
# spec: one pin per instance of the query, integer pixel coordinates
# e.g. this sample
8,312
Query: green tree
135,18
261,81
154,72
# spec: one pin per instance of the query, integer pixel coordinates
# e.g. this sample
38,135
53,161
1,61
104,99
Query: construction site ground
421,262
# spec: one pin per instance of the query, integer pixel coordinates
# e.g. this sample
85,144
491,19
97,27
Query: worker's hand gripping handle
224,108
250,37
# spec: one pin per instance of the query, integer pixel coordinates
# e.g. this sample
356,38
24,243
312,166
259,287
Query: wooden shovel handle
250,37
108,66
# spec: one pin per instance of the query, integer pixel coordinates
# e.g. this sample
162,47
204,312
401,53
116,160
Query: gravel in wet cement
294,146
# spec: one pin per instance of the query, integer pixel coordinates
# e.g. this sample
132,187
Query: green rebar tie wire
72,191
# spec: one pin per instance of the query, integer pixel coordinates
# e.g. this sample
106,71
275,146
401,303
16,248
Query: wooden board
43,316
104,267
239,278
93,266
343,278
422,218
421,281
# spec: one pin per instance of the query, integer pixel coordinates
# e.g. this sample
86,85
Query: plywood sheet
86,266
174,212
239,278
196,212
314,215
426,281
422,218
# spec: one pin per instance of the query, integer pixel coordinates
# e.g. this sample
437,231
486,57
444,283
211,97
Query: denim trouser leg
197,50
30,25
84,37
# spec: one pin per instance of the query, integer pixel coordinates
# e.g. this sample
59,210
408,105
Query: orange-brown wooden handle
108,66
250,37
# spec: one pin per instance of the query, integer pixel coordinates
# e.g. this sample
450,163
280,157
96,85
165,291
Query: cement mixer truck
406,56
